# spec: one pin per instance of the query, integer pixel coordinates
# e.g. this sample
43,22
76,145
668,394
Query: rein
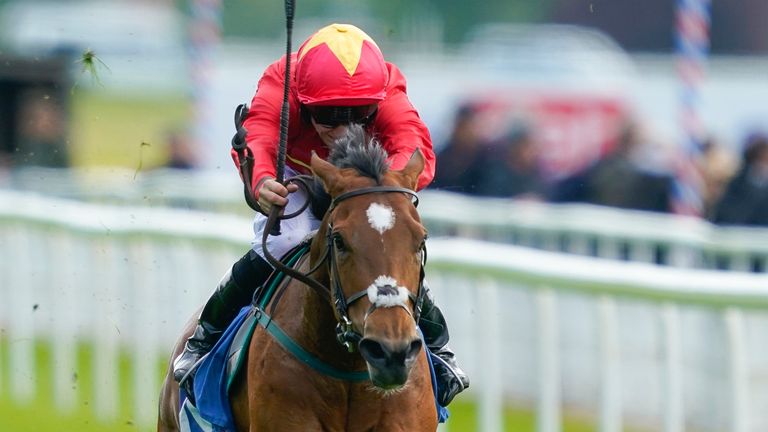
345,334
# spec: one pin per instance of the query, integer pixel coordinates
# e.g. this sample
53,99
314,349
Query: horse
367,267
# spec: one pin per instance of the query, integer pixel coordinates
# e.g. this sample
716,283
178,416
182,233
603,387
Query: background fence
572,228
625,343
603,232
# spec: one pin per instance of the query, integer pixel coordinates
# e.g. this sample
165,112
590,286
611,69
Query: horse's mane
355,150
360,151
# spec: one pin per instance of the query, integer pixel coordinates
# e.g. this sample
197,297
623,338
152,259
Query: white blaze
380,217
384,292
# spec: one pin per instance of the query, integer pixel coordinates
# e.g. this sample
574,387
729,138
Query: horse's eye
338,242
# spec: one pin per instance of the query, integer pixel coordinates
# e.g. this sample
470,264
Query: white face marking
384,292
380,217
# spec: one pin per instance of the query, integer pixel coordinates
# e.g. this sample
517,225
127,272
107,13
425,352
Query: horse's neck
309,319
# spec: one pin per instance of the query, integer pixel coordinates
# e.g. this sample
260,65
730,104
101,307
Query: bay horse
366,263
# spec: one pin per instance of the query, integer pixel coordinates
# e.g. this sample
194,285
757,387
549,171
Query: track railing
598,231
626,344
572,228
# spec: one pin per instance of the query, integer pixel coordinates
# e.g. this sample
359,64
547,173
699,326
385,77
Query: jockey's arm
401,130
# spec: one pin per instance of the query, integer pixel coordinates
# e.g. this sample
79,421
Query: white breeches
292,231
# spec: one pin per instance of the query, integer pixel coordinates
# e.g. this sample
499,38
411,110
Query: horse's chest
404,411
337,408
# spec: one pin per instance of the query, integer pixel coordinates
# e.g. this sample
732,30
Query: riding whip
284,111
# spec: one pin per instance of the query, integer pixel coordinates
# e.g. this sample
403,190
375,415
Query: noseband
345,333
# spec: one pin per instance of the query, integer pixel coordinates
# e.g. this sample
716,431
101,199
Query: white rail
626,343
598,231
572,228
629,343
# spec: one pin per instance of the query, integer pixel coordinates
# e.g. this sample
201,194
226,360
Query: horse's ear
413,168
324,170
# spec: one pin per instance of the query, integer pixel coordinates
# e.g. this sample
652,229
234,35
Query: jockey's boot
235,291
451,380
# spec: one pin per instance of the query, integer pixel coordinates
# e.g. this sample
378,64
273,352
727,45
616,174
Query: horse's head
375,241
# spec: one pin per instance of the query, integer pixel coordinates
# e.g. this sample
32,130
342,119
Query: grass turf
40,414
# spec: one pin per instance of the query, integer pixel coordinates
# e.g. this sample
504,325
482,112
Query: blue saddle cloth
211,411
210,383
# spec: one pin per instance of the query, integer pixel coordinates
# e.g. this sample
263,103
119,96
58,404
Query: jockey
339,77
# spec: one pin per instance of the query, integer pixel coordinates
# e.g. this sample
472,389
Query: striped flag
692,40
204,34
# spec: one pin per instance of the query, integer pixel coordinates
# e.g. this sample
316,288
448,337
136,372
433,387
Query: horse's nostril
373,351
414,349
380,355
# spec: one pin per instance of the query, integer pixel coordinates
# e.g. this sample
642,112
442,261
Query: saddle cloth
210,411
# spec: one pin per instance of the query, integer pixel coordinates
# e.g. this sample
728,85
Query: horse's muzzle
389,364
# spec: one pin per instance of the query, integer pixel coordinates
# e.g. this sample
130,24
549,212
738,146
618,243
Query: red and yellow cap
340,65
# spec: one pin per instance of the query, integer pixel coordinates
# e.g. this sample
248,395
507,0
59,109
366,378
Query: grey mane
356,150
360,151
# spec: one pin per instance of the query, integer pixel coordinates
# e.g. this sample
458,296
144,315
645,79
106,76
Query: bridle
345,333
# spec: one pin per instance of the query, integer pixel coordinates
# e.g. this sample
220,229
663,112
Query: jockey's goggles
333,116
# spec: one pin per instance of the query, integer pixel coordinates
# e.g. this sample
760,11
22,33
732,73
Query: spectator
181,154
745,201
511,166
630,177
41,131
717,166
459,160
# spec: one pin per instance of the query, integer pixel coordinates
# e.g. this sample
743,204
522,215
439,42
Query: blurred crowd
637,171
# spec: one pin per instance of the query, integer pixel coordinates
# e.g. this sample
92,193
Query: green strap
300,353
279,276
